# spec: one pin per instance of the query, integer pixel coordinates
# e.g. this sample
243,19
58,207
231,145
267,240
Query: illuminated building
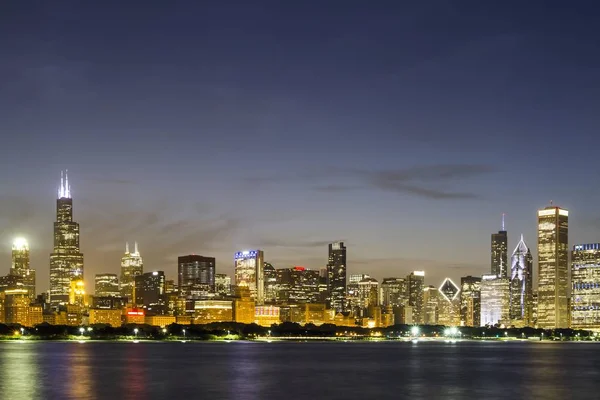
183,319
196,275
313,313
449,303
11,282
159,320
336,276
105,316
106,285
223,284
368,293
521,285
500,253
243,305
553,267
109,303
431,300
16,306
393,292
73,314
270,283
296,285
470,301
77,292
207,311
266,315
249,272
585,287
352,294
495,295
132,265
66,261
21,267
415,285
135,316
149,292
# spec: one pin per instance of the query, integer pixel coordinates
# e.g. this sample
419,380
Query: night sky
405,130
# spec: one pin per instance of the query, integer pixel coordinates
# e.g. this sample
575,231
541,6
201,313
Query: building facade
66,261
196,275
499,266
21,266
223,285
585,287
495,295
415,285
336,276
150,292
106,285
449,303
521,286
553,267
132,265
393,292
470,301
249,272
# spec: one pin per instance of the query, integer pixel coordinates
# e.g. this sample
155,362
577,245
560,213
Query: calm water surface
307,371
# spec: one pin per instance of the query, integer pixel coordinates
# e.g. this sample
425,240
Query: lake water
307,371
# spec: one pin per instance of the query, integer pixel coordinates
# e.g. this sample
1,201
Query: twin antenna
64,191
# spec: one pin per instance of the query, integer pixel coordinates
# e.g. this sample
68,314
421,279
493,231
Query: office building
368,294
223,284
393,292
521,285
431,301
66,261
470,301
249,272
296,285
553,267
150,292
336,276
21,266
500,253
196,275
449,303
495,295
132,265
415,285
270,283
585,287
106,285
111,317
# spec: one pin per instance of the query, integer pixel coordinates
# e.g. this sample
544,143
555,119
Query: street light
22,331
414,330
135,331
184,333
164,330
81,330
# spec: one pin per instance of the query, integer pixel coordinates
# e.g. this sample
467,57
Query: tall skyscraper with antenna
66,261
132,265
500,252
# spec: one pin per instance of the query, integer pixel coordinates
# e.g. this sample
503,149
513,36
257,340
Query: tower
553,267
249,273
521,285
499,265
336,276
132,265
585,286
415,286
66,261
21,267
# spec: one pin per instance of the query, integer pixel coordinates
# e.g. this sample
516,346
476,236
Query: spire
503,222
136,248
126,247
67,187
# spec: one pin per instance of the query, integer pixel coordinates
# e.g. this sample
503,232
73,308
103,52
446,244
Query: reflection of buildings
196,275
415,285
494,300
585,287
336,276
106,285
470,301
521,285
21,267
553,264
132,265
249,272
500,253
66,261
449,303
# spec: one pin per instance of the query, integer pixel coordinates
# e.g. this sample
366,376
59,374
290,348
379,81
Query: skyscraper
470,301
553,266
21,267
415,285
196,275
106,285
495,295
449,303
132,265
336,276
150,292
249,272
66,261
585,287
521,285
393,292
500,252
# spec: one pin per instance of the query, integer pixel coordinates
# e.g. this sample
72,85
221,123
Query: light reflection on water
290,371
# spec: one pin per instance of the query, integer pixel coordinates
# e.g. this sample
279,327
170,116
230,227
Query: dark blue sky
211,127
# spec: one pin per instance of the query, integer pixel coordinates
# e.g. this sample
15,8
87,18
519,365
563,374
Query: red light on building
135,312
299,269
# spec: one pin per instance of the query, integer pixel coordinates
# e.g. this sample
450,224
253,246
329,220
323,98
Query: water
307,371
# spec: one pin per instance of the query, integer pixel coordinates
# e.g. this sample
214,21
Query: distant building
393,292
336,276
368,294
150,292
585,287
494,300
521,286
431,302
223,284
112,317
208,311
296,285
449,303
132,265
500,253
249,272
66,261
19,310
106,285
21,266
415,284
553,265
270,283
470,301
196,275
266,315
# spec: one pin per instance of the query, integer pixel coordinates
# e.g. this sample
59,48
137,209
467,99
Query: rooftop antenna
67,187
136,248
127,247
503,222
